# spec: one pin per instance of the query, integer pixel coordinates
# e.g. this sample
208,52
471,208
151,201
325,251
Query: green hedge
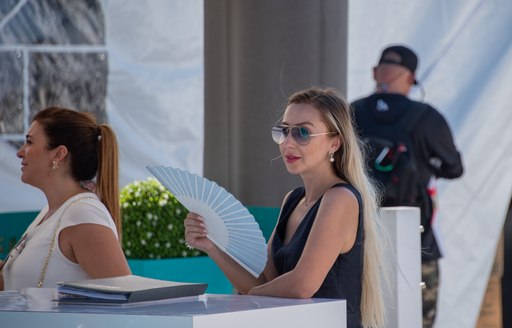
152,222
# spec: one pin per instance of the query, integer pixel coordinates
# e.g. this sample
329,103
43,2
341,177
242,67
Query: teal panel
266,218
188,269
12,226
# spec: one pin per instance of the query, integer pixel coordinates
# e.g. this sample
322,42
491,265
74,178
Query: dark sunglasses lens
301,135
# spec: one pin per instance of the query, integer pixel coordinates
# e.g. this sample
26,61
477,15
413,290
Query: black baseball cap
400,55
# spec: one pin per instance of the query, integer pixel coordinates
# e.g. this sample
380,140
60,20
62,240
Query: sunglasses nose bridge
287,136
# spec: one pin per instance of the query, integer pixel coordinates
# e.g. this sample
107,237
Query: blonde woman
325,243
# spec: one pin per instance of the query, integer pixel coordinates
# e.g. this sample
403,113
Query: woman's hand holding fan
229,224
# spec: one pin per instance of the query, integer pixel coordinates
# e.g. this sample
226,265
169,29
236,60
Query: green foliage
152,222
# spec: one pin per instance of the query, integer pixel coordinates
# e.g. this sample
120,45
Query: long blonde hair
350,166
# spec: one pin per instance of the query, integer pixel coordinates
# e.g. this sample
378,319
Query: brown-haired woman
76,236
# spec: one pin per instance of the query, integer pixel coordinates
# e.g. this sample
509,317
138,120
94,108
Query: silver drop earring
54,165
331,157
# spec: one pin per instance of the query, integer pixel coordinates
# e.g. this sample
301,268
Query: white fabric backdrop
465,58
154,97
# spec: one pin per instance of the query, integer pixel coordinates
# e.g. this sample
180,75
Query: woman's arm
243,281
334,232
96,248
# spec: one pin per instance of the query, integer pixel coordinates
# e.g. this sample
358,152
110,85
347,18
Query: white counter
34,308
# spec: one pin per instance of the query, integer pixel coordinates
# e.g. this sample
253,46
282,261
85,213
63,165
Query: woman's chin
292,170
24,179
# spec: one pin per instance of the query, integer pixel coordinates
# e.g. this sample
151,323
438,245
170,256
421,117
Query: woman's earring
331,157
54,165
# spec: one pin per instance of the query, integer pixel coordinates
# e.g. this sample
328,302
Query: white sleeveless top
24,269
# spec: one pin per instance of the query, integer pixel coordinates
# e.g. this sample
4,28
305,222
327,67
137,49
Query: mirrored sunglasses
300,134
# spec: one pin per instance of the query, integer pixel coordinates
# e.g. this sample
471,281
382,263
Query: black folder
125,289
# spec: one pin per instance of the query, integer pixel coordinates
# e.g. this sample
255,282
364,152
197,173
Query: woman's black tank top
343,281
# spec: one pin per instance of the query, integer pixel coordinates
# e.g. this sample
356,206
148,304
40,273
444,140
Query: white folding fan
230,225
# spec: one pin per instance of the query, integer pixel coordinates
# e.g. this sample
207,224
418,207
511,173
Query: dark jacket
434,149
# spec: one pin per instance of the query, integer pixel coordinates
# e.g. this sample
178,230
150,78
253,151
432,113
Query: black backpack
390,155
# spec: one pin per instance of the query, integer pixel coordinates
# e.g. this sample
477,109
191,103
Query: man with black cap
409,145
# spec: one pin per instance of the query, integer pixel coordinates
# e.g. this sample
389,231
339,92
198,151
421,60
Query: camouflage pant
430,276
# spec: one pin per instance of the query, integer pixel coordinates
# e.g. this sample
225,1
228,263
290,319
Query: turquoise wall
12,226
192,269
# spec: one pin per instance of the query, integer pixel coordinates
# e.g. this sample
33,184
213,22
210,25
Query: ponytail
107,179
